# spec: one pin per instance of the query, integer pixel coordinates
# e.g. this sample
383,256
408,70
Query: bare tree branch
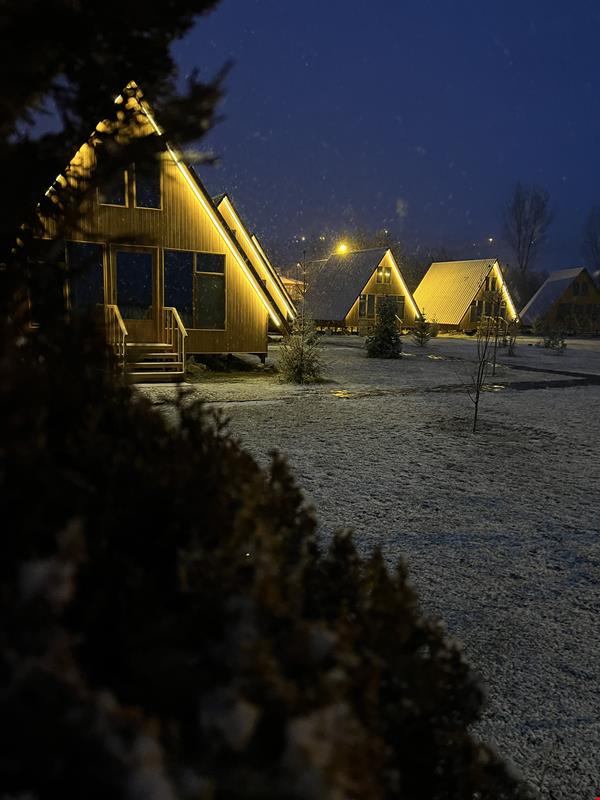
591,239
527,218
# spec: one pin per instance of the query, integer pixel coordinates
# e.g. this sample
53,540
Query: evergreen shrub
385,340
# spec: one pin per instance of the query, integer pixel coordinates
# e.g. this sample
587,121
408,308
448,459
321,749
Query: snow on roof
549,292
334,283
448,288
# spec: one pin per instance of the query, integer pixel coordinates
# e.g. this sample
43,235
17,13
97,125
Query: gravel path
500,530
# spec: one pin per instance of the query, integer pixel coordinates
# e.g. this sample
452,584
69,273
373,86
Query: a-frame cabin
157,254
456,294
343,290
568,300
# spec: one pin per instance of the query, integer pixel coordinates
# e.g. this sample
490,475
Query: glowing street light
342,248
491,239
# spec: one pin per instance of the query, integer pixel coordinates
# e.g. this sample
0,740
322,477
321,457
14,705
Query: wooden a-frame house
343,290
568,300
456,294
156,253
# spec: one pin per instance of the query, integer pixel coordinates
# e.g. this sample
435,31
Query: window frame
383,276
196,271
223,274
115,248
105,286
126,193
133,171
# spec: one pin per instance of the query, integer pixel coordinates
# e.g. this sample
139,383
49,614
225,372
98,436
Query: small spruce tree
421,332
385,340
300,355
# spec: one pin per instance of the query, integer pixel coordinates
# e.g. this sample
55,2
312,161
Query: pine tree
385,340
421,332
300,354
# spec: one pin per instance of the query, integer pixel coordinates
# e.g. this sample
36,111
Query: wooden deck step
155,377
172,366
151,345
152,362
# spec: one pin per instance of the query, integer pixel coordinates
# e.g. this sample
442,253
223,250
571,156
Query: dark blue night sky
413,116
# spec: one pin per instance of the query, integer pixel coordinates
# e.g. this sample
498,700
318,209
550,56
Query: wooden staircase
152,362
148,362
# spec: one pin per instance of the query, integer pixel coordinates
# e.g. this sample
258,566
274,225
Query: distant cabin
456,294
343,291
174,273
568,300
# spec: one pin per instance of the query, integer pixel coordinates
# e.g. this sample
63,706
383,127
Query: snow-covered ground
500,529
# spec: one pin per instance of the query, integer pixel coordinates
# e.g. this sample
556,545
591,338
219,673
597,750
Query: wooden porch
160,360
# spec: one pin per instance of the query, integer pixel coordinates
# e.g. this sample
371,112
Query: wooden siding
395,287
181,224
486,296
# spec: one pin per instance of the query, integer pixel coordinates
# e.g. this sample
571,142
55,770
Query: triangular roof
549,292
204,198
448,288
251,247
334,283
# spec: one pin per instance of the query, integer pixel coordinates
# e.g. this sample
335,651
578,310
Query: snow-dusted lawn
500,530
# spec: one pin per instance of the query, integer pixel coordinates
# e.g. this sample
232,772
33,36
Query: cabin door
136,291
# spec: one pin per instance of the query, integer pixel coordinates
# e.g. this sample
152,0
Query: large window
134,283
140,184
85,263
113,189
147,184
209,291
398,301
366,305
46,277
195,286
476,308
179,283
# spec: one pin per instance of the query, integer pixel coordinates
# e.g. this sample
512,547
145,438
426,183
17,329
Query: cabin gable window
113,190
147,184
384,275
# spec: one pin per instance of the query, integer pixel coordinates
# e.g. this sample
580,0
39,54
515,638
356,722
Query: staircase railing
116,332
175,333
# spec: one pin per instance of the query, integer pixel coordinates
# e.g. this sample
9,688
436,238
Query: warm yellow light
190,182
342,247
505,291
251,244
